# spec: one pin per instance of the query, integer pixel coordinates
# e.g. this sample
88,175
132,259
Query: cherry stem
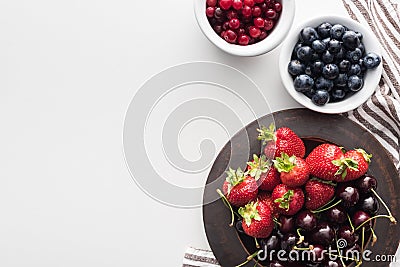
301,237
338,250
363,239
327,208
375,217
249,258
226,202
277,222
374,237
350,222
392,218
256,241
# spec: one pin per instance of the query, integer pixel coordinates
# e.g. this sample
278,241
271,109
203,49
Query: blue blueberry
354,56
341,80
344,65
341,54
330,71
337,31
320,98
318,46
338,94
305,53
355,69
326,41
308,35
362,48
323,84
303,83
316,67
324,30
359,35
355,83
296,47
327,57
334,46
295,67
350,40
371,60
308,71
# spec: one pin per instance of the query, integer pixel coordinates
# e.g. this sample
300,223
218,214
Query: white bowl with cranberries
245,27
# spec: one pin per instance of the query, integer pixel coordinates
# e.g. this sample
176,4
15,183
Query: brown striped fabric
381,113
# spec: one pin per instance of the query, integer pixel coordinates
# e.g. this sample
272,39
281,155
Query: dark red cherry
306,220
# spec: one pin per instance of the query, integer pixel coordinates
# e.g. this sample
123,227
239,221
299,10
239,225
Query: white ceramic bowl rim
275,38
371,80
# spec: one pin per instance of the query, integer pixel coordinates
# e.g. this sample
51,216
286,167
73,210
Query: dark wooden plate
232,249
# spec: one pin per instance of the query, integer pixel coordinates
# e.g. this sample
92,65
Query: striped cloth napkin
381,113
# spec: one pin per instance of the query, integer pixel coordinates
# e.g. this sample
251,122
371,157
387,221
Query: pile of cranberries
243,22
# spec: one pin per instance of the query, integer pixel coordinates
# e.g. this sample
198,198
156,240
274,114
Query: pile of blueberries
329,62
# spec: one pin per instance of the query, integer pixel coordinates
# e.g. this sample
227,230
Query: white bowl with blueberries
245,27
331,64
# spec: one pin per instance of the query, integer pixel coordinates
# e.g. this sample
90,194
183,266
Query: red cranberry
259,22
218,28
263,35
270,3
256,11
270,13
254,31
263,7
249,3
268,24
210,12
230,36
259,1
211,3
234,24
243,39
252,41
278,7
241,31
225,4
231,14
237,4
218,13
246,11
226,26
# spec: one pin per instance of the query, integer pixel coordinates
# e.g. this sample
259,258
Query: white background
68,70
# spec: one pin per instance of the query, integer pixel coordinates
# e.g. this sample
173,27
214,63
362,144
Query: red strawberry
321,162
358,161
318,193
294,170
283,140
266,175
239,188
257,219
266,197
288,200
270,180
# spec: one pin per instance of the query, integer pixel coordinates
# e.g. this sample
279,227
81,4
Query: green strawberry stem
350,222
226,202
370,219
327,208
249,258
392,218
285,163
267,134
332,183
301,237
374,237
